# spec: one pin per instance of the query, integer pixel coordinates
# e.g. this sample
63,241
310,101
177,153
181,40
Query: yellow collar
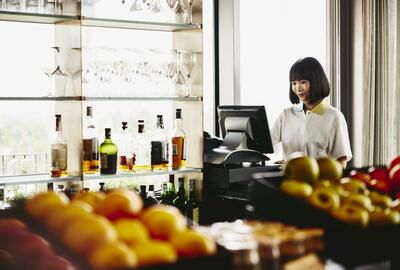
320,108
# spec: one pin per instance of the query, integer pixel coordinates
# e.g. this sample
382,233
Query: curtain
381,77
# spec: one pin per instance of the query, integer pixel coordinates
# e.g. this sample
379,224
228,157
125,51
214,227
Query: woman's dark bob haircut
311,70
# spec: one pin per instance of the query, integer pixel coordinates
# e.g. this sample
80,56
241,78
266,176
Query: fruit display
365,197
112,230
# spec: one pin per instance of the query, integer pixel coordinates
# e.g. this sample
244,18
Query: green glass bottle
193,206
170,196
180,200
108,155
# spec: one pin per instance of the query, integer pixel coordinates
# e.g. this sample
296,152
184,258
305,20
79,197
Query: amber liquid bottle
59,151
90,163
178,143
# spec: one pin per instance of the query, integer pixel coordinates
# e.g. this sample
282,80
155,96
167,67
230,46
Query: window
273,35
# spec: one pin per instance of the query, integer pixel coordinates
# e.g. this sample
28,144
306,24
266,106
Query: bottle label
103,161
174,149
59,156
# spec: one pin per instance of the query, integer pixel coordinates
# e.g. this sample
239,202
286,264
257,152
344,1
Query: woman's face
302,89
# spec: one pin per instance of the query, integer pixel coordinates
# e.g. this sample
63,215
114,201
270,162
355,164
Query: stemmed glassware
57,72
188,61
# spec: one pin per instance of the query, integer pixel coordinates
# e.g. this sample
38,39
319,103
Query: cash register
230,162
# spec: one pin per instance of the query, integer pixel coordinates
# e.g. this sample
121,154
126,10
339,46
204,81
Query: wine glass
188,61
55,74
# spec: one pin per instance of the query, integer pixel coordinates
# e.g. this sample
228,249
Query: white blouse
320,132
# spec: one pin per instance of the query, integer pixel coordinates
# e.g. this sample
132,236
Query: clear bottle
178,143
193,206
142,148
108,155
126,157
180,199
59,151
90,145
151,197
159,147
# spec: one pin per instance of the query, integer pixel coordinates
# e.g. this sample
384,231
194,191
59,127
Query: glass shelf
144,98
140,25
34,179
16,16
46,178
136,174
80,98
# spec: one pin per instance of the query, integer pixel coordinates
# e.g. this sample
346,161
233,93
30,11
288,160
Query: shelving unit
69,33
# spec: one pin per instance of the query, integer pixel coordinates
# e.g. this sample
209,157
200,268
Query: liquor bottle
90,145
170,196
180,200
141,149
59,151
50,187
159,147
151,198
126,157
108,155
193,206
178,143
148,198
164,192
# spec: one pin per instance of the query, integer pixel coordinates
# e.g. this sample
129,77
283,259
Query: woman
311,126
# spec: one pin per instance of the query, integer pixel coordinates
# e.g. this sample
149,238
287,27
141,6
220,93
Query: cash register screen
246,120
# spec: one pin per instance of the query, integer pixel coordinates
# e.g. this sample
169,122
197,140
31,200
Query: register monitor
246,135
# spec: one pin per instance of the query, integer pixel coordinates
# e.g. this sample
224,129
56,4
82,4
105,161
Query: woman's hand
343,161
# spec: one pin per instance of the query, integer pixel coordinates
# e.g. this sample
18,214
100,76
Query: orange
112,255
192,243
87,232
163,221
92,198
59,217
39,205
131,231
155,252
120,203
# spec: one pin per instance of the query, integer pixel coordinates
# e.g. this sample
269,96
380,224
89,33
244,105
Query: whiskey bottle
90,145
126,157
141,146
59,151
178,143
108,155
159,147
193,206
180,199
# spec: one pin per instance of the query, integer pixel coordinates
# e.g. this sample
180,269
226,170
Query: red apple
7,261
51,262
394,176
394,162
28,246
378,173
362,176
379,179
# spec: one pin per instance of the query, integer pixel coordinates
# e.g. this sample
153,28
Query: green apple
296,188
330,168
384,216
325,198
358,199
353,185
303,168
352,214
381,200
323,183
